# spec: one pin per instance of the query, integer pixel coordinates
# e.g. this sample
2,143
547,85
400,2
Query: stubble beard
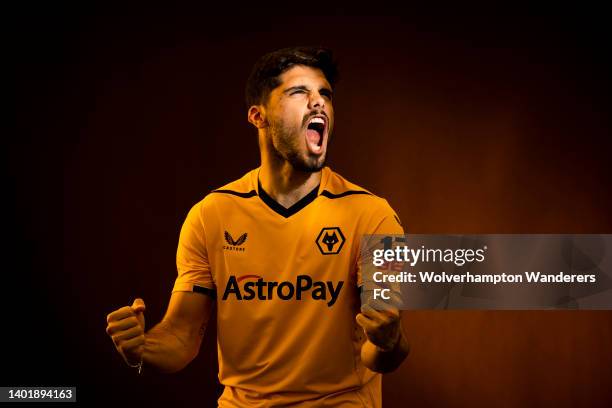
284,144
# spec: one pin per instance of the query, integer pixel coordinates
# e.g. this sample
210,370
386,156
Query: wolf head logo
330,240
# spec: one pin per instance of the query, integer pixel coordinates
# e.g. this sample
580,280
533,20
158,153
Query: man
278,251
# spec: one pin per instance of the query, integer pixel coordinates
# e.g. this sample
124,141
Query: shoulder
240,189
336,187
244,187
374,213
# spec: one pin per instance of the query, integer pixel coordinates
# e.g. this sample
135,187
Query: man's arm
171,344
175,341
386,347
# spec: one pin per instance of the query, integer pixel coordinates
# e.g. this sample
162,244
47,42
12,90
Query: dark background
490,124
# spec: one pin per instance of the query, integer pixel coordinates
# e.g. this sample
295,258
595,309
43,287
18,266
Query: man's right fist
126,327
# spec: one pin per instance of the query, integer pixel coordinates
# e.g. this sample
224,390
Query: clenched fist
126,328
382,328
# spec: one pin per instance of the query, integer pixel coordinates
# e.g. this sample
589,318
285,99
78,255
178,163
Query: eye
298,91
326,94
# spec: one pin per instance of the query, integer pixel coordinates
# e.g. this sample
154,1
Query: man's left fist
382,328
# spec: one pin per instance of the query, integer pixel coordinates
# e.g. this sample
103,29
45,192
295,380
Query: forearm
167,350
384,361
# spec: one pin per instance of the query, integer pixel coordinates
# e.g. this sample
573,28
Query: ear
257,116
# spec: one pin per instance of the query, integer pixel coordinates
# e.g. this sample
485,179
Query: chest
321,242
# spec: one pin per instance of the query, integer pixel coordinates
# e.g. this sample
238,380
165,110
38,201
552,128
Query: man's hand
382,328
386,347
126,328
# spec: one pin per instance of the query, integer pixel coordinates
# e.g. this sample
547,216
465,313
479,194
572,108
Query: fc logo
330,240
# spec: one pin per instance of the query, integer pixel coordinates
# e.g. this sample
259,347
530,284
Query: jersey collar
303,202
287,212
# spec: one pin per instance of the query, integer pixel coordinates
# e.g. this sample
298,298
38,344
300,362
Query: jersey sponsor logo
234,245
330,240
304,287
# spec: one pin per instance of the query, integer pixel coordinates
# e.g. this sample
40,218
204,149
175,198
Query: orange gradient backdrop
493,125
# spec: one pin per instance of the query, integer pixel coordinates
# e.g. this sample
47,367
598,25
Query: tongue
313,138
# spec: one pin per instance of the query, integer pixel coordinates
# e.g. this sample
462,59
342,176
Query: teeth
317,120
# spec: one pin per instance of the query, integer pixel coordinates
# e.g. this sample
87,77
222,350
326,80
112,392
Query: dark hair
264,76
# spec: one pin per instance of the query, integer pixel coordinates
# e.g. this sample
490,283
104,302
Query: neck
282,182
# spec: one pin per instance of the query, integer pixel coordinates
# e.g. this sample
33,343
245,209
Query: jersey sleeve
191,256
383,222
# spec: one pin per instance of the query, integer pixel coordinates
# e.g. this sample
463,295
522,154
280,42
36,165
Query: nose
316,100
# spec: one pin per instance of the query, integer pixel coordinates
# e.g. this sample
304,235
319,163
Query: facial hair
284,143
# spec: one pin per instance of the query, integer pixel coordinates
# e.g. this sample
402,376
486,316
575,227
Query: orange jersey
286,283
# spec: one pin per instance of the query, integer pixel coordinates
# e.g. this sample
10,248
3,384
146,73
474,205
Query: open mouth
315,133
